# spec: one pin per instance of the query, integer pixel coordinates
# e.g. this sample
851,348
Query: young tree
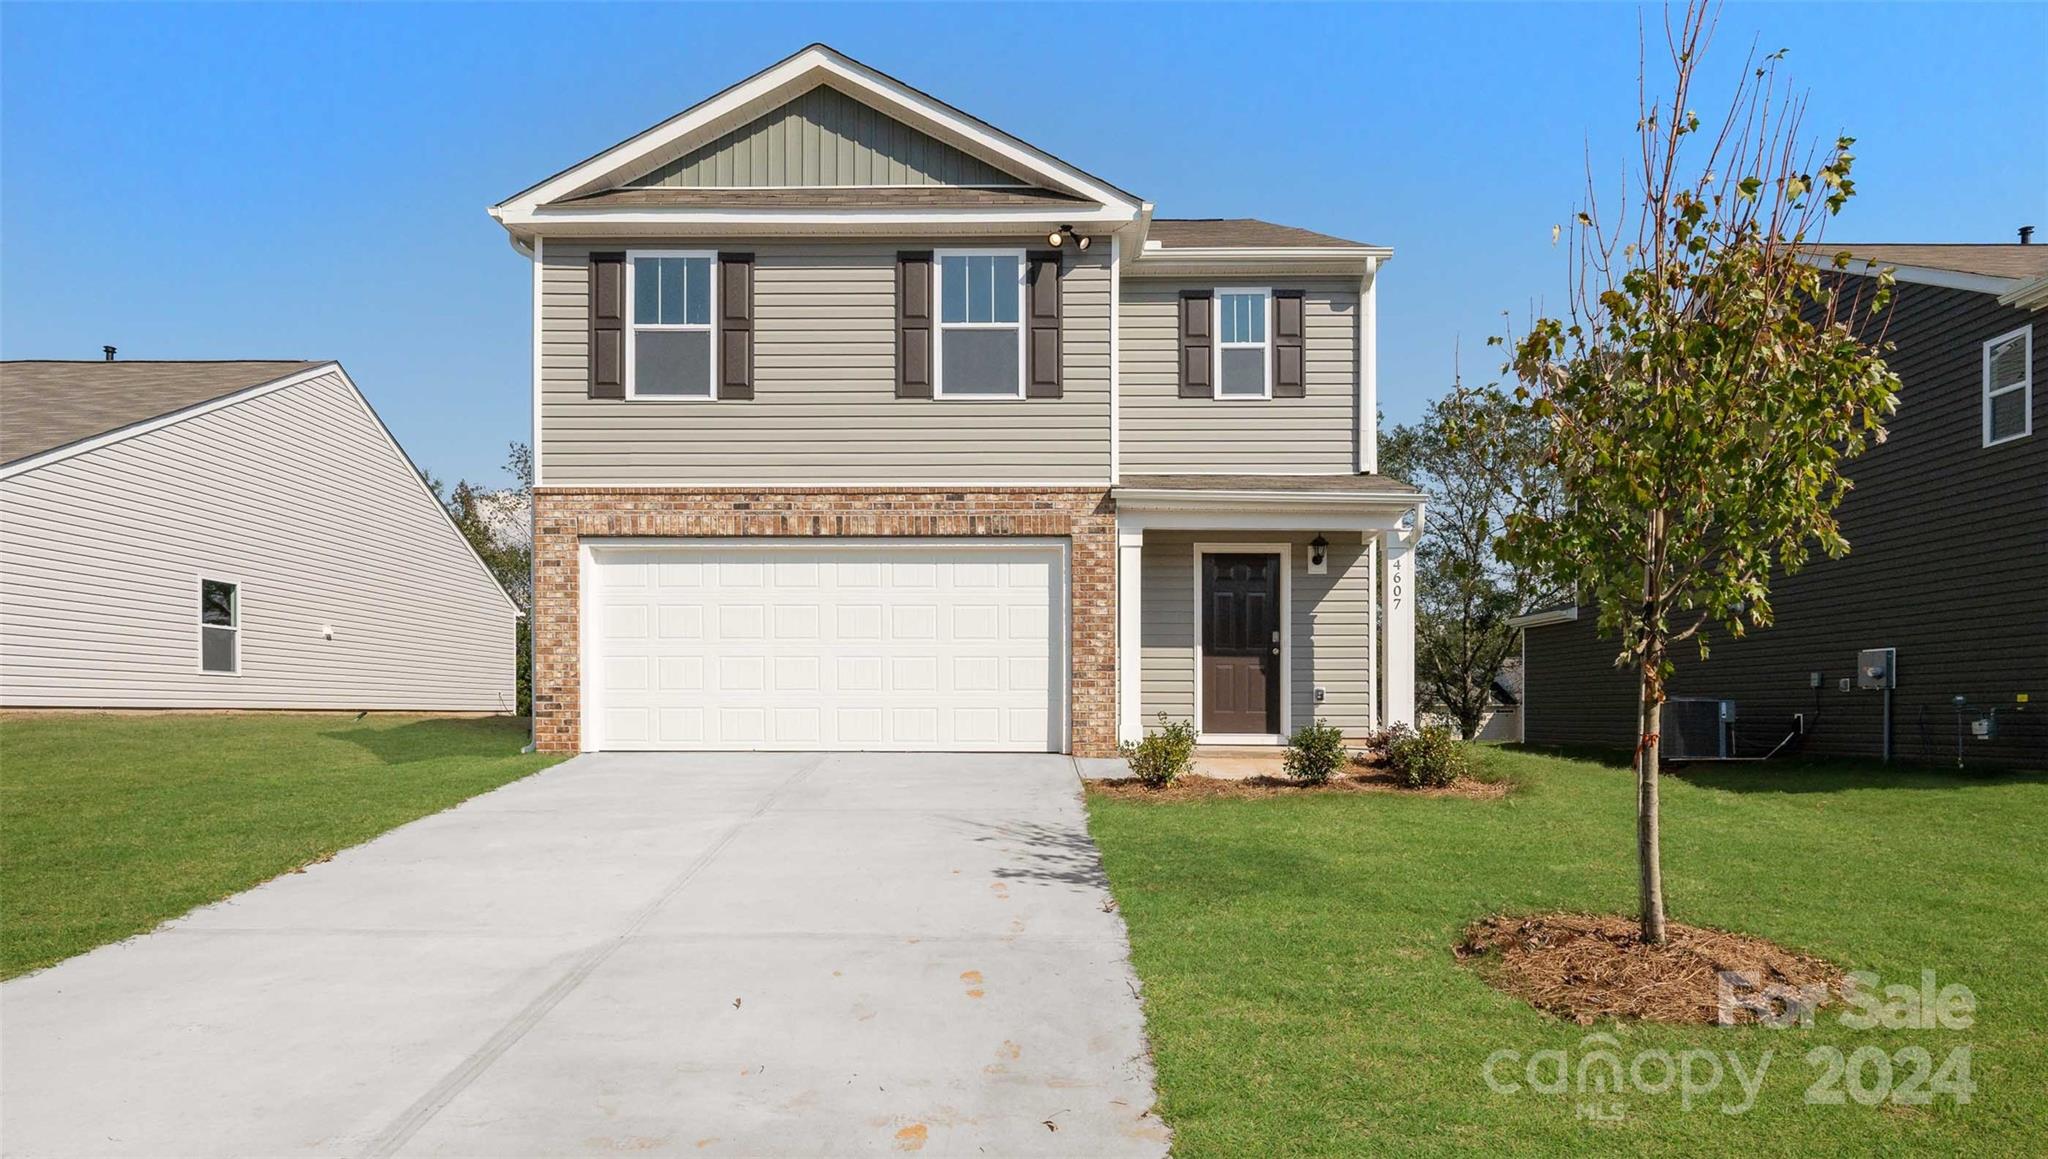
1705,389
1465,592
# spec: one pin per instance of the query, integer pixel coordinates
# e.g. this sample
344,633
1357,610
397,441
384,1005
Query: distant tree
1704,390
1465,592
495,522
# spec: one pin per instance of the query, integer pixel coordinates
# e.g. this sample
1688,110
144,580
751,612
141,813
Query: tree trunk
1649,735
1649,741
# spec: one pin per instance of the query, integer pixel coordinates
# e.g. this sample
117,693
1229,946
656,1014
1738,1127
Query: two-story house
862,424
1945,588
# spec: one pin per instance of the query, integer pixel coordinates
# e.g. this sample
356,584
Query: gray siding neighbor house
1948,564
246,535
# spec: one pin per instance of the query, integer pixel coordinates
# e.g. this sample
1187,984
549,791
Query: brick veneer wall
563,516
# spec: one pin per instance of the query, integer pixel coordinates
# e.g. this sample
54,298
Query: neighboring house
1948,531
229,535
1502,719
862,424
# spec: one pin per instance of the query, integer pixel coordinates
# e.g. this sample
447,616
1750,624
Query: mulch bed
1587,967
1195,787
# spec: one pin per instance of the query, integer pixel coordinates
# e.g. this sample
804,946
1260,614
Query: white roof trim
1547,616
814,65
2028,295
569,214
132,430
1920,275
1306,502
1170,261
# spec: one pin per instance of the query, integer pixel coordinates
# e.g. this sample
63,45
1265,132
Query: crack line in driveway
409,1122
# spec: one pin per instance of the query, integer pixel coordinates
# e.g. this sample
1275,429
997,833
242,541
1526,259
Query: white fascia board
2028,295
1919,275
1360,521
1033,220
1352,261
1160,498
820,64
1548,616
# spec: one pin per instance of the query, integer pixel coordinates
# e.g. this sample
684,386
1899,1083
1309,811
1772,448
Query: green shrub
1163,756
1429,759
1315,752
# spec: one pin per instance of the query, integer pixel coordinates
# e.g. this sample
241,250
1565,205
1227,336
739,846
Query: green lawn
1301,996
109,824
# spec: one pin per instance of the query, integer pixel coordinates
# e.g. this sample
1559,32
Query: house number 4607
1396,579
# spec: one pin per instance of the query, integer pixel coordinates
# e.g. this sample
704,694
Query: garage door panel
932,645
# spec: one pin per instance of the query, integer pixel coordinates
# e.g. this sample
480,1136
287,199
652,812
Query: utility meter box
1877,668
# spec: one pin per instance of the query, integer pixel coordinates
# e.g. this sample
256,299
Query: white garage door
781,644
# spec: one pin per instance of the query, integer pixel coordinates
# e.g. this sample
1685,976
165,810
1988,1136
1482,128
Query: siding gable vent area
823,139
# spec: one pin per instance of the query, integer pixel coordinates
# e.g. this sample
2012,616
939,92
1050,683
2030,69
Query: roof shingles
46,405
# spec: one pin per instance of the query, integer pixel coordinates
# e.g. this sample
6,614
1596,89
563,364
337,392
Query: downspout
533,255
1368,370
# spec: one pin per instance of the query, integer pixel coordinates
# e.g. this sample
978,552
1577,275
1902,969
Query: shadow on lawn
431,738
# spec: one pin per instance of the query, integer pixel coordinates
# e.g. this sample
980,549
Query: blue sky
305,181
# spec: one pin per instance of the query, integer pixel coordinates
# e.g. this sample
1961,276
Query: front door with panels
1241,643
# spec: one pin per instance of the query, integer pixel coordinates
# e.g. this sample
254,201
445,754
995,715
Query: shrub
1429,759
1315,752
1163,756
1380,742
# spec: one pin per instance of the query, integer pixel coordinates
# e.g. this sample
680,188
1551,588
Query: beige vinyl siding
824,138
1164,433
825,409
295,495
1329,622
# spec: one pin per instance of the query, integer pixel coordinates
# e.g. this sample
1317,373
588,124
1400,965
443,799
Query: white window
669,344
1244,361
980,339
2009,386
220,626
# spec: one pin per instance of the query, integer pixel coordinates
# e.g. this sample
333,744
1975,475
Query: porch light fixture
1063,235
1318,550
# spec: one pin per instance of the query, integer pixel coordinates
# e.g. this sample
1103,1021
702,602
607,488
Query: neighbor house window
2009,386
220,626
1243,360
668,346
981,343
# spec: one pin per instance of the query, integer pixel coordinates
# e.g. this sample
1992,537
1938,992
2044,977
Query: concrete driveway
701,954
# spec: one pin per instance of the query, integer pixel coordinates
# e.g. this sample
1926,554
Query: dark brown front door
1241,644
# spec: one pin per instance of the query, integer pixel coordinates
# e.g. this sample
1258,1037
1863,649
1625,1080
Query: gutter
2028,295
1545,618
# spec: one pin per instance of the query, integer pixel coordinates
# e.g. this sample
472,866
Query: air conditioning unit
1698,728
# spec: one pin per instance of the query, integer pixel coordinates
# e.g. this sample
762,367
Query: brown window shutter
1290,332
1042,324
736,326
607,325
1197,344
914,321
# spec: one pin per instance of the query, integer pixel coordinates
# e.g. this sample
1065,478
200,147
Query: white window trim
633,327
2025,385
199,582
1286,553
1265,362
941,325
